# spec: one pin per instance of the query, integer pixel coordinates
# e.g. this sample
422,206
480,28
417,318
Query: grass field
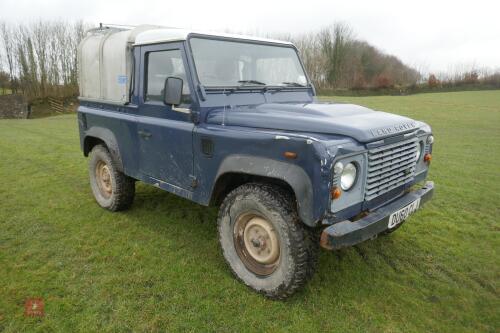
157,266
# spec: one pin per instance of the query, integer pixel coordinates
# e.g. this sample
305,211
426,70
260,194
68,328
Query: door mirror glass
172,93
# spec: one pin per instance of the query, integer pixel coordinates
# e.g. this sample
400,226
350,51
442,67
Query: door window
160,65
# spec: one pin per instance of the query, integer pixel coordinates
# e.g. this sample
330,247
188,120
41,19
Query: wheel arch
99,135
237,170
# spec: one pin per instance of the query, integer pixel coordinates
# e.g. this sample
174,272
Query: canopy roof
161,35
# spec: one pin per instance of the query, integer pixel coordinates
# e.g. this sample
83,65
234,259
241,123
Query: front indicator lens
335,193
348,177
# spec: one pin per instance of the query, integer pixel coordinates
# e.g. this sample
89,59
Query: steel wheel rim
257,243
103,178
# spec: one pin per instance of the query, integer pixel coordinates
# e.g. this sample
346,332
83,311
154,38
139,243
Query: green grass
157,266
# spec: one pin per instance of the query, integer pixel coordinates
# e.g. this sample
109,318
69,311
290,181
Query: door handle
145,134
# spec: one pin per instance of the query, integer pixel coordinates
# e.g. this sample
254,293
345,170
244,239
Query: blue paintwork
250,131
342,119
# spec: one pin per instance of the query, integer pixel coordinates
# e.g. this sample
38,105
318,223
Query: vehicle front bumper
348,233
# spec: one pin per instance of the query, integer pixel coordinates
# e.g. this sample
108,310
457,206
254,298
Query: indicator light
335,192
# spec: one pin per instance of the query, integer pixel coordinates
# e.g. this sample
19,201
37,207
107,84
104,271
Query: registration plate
402,214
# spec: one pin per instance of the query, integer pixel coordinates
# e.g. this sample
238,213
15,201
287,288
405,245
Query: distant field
157,267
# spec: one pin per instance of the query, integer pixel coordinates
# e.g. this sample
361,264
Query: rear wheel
112,189
264,242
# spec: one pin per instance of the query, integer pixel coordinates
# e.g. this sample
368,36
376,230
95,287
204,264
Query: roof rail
108,27
101,25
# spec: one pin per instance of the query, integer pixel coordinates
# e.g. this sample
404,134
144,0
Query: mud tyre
112,189
264,242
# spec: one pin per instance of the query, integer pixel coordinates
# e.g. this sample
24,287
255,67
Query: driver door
165,133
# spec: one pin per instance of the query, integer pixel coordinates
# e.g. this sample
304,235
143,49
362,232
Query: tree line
39,60
335,59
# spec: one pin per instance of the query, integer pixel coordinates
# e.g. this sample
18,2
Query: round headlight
430,140
419,151
348,177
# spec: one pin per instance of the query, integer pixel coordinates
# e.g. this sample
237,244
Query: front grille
390,166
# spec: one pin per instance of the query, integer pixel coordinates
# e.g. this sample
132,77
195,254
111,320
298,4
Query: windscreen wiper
244,82
293,84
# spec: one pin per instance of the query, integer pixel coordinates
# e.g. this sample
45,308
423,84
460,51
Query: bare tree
6,35
41,57
334,43
40,33
314,60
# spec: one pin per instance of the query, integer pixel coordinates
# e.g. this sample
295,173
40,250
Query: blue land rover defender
232,121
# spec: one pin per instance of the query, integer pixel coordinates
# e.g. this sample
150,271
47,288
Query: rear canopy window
228,63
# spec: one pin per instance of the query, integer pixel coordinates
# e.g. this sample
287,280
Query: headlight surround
348,176
419,151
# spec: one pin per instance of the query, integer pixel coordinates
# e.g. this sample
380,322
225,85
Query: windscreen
221,63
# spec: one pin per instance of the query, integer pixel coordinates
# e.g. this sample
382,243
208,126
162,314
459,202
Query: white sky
435,36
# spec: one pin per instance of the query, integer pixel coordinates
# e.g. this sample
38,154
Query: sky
433,36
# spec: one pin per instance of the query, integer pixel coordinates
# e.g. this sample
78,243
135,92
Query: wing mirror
172,92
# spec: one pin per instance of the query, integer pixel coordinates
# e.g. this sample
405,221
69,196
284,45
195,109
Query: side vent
207,147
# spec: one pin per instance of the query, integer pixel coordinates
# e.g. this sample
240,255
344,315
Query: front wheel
264,242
